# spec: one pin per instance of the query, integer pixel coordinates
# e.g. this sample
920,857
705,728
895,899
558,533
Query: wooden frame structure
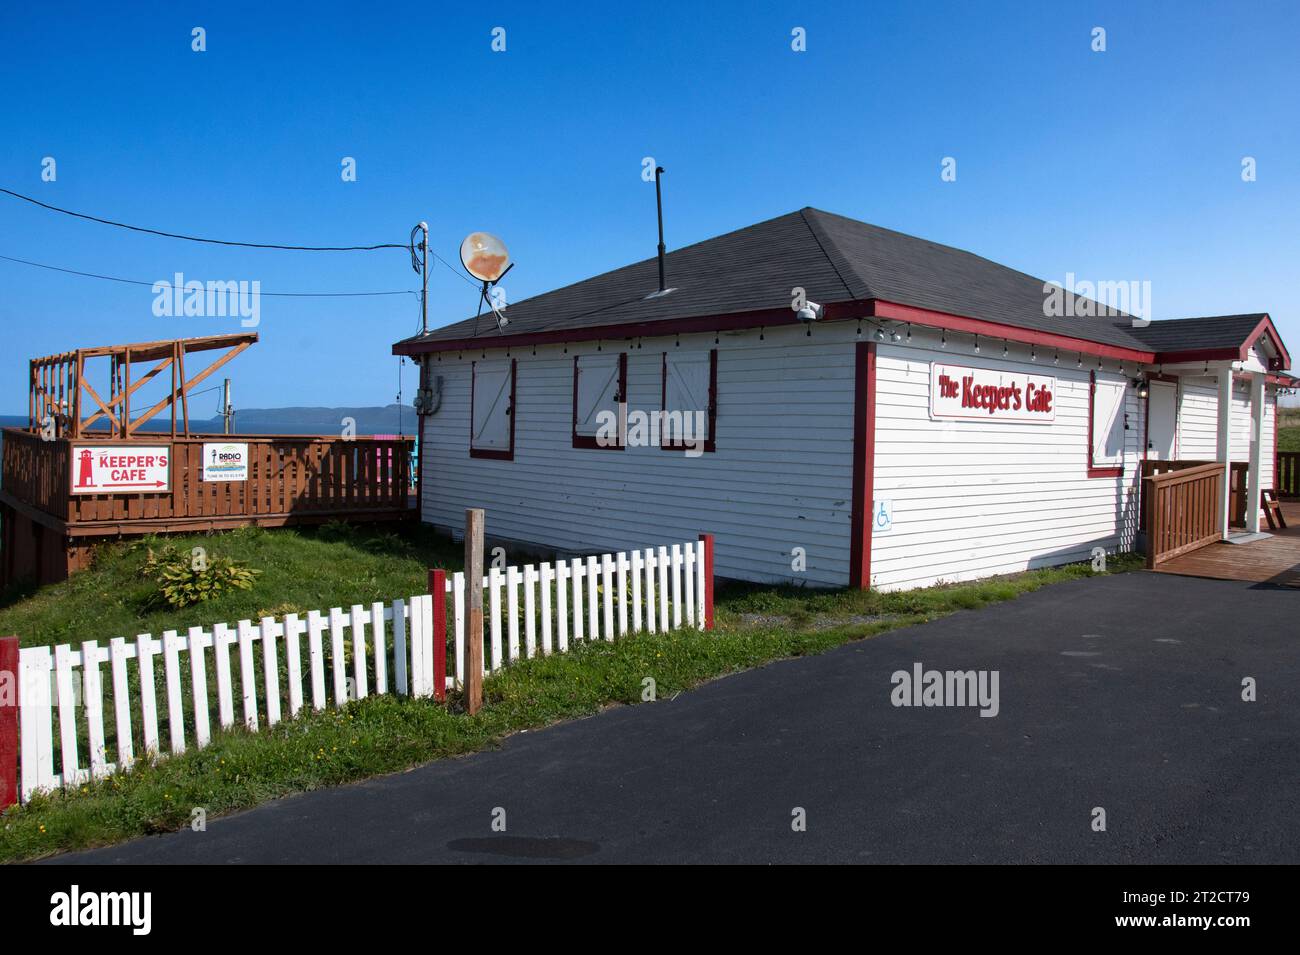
49,528
58,385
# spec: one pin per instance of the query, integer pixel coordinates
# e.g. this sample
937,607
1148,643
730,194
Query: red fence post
708,580
438,587
8,722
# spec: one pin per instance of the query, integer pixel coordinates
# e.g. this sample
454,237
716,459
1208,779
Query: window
689,400
1106,427
492,409
599,391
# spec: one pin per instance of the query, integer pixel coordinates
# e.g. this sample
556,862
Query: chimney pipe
659,203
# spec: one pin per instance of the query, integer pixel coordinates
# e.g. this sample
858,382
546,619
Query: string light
977,344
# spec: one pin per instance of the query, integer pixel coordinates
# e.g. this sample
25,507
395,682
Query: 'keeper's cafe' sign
963,393
121,469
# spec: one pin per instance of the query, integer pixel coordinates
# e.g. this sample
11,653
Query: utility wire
192,238
113,278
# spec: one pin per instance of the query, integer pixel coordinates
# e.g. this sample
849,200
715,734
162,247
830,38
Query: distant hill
391,419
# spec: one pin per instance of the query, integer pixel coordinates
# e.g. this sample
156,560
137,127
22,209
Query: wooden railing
35,471
1287,474
1180,510
1238,488
289,476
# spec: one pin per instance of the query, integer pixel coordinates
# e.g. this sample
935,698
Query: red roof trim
848,311
1266,327
1028,336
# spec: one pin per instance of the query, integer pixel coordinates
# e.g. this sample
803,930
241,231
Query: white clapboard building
858,407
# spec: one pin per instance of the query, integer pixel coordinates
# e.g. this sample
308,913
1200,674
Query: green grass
1288,432
755,625
301,570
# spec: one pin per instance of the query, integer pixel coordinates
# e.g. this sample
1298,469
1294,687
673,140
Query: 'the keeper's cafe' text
957,392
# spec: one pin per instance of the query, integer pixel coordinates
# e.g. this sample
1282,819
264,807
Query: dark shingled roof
834,259
1210,331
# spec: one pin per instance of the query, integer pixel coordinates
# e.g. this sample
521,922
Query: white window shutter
597,391
687,385
1108,424
491,426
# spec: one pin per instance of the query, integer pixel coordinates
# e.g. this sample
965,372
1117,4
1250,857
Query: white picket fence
530,610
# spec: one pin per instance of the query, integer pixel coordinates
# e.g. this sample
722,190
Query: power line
114,278
192,238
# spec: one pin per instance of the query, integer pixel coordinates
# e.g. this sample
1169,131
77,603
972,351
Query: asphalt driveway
1122,693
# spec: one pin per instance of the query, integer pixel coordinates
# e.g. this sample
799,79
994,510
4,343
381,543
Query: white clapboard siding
970,499
271,667
780,477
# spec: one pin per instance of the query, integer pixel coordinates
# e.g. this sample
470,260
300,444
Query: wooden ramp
1274,561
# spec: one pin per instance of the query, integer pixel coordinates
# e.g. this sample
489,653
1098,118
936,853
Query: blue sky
1122,165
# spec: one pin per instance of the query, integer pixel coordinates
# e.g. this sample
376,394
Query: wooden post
438,588
8,722
708,580
473,680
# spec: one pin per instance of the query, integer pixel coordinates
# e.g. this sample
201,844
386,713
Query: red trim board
9,721
864,464
708,580
438,590
834,311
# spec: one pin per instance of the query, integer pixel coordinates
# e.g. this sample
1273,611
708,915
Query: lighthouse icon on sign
85,470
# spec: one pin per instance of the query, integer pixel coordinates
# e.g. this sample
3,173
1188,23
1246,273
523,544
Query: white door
1162,419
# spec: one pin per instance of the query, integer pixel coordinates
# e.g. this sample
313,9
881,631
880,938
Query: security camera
810,312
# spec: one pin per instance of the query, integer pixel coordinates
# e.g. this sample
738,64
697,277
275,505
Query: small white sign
960,393
225,462
121,469
882,516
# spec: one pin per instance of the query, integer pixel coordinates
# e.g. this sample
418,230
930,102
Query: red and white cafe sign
986,394
121,469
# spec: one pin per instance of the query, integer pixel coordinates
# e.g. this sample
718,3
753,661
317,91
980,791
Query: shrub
340,531
386,542
185,579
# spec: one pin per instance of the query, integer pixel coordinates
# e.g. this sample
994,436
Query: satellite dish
484,256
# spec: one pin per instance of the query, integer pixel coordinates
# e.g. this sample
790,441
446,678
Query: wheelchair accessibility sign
882,516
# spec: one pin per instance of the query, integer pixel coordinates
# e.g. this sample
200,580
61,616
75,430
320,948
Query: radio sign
121,469
974,394
225,462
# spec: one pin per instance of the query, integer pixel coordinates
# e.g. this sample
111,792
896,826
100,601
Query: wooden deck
1275,561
